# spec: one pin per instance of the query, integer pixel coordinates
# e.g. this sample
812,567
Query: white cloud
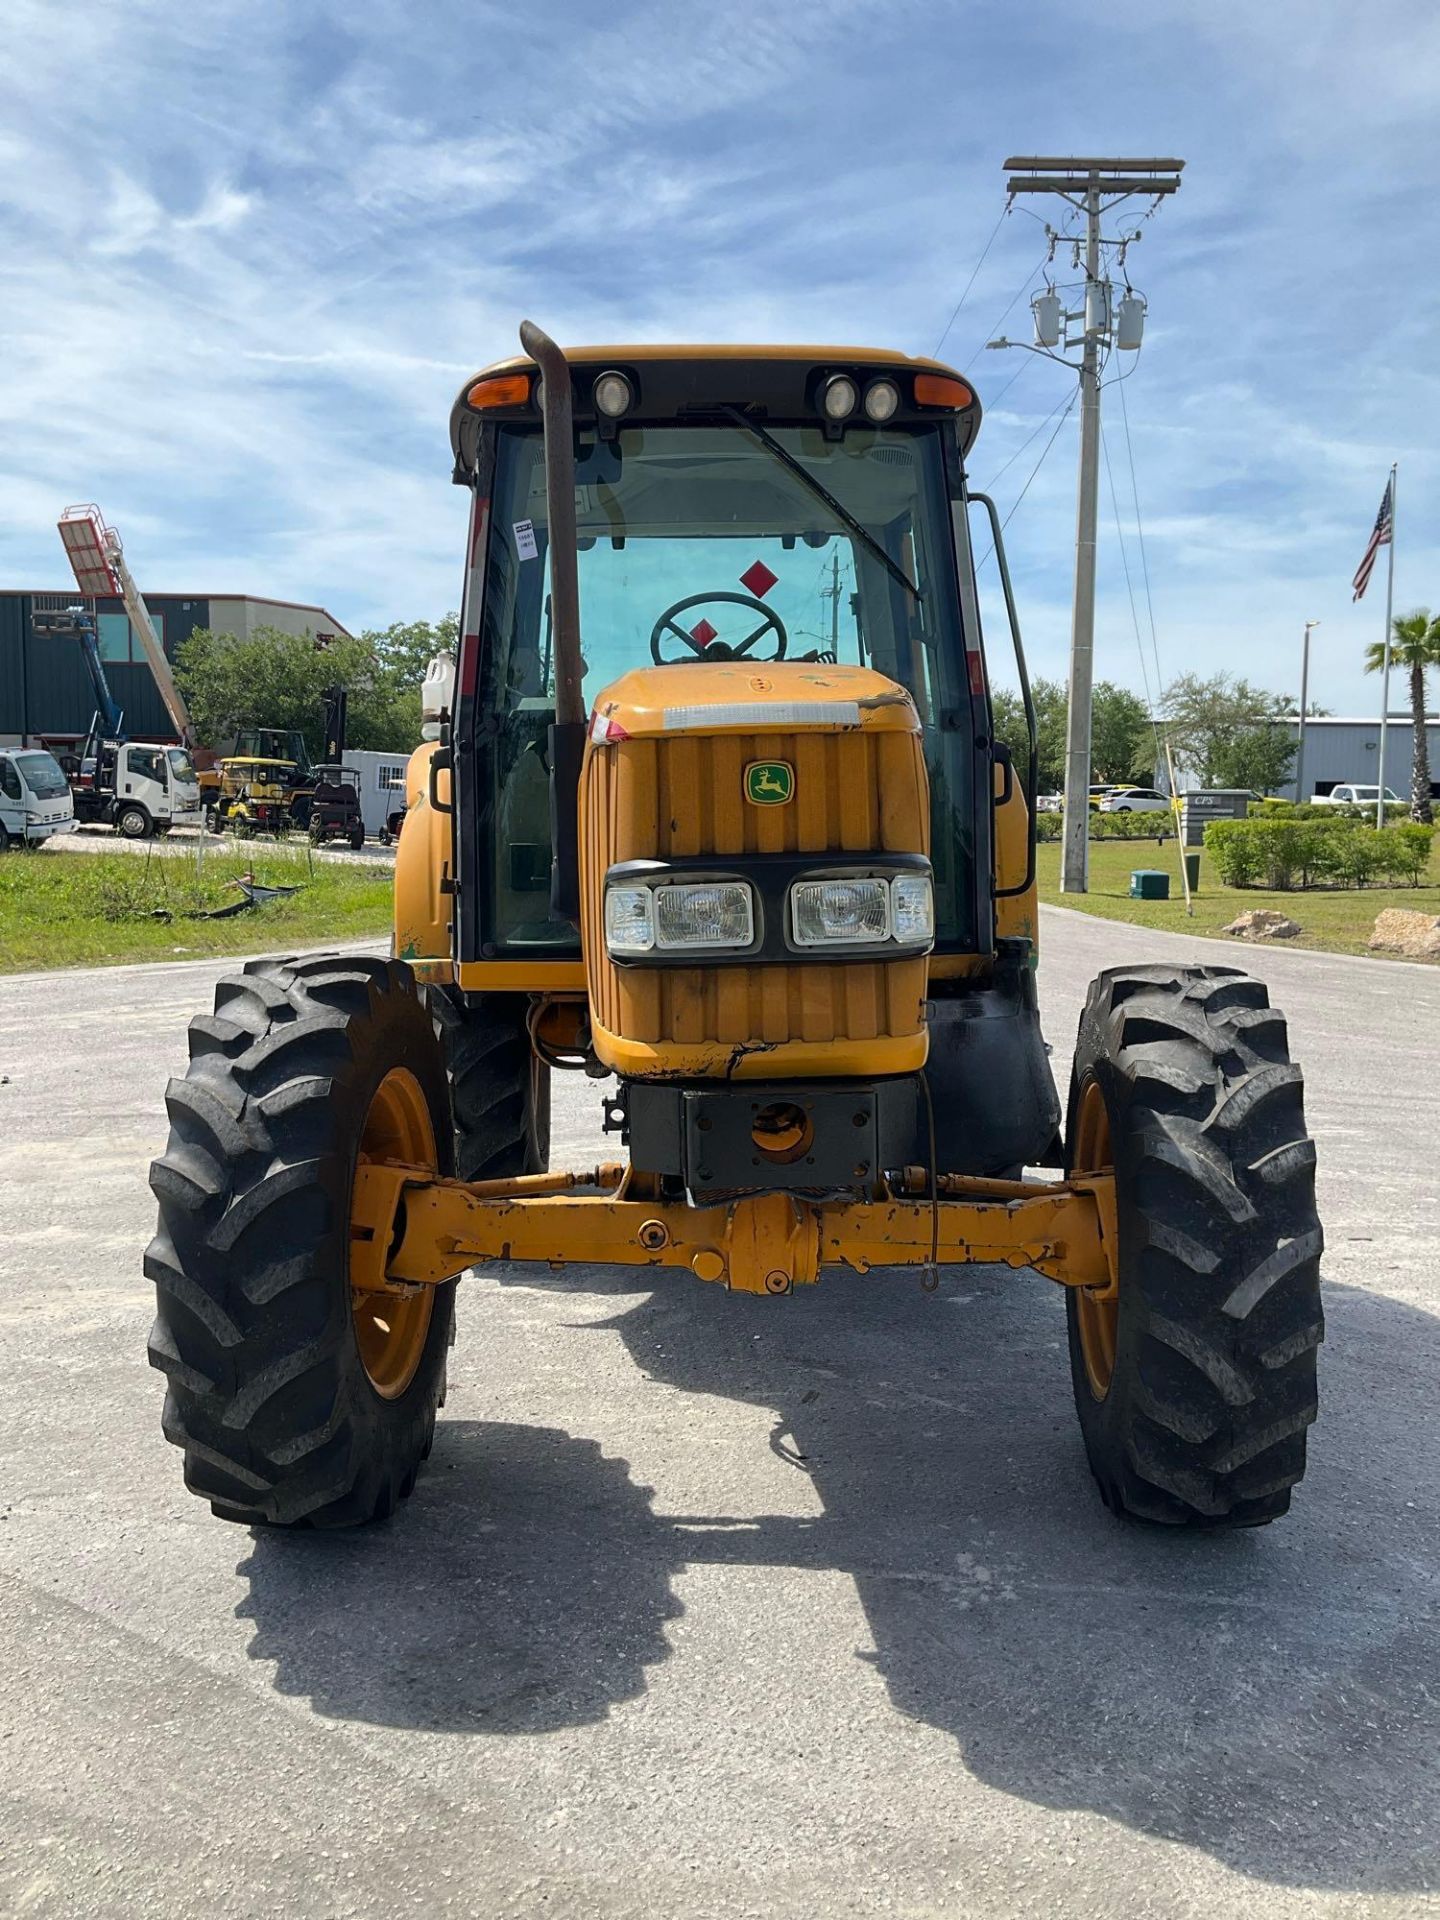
246,260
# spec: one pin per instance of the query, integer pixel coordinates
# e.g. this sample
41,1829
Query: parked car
1135,800
1351,795
35,798
1049,803
1102,790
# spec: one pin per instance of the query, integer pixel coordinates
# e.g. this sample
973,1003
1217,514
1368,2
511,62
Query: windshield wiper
808,480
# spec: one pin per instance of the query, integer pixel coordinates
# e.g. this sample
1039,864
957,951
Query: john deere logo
769,783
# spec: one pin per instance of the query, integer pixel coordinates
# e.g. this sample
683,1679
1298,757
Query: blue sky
248,253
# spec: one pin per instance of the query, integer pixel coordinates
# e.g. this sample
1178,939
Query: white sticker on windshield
525,540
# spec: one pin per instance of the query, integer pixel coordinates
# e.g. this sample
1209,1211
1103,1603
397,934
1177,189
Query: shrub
1407,849
1272,809
1325,848
1234,852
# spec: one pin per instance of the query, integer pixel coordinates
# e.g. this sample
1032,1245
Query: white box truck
35,801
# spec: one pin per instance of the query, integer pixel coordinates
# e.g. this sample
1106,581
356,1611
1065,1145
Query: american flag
1379,538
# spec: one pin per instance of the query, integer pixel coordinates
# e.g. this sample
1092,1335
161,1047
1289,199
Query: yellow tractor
739,844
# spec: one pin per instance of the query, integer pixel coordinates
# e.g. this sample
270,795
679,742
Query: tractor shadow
1267,1697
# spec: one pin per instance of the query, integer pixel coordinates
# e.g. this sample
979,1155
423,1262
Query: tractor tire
294,1402
357,839
499,1089
133,822
1196,1387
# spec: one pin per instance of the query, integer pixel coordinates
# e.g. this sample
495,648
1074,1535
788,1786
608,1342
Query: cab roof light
613,395
839,397
500,390
942,390
882,399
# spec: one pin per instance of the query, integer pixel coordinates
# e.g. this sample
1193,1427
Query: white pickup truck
1350,795
35,797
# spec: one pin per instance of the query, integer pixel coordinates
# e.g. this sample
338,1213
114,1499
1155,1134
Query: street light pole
1304,707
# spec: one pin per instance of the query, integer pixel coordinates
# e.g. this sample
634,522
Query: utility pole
1092,187
832,594
1304,707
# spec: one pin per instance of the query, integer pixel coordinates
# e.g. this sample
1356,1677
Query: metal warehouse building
45,692
1341,750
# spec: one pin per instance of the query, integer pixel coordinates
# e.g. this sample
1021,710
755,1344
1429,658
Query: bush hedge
1272,809
1321,851
1111,826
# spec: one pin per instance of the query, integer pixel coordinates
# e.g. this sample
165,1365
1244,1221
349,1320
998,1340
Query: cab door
143,776
12,798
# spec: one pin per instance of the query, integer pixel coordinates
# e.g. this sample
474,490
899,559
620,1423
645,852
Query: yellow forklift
774,888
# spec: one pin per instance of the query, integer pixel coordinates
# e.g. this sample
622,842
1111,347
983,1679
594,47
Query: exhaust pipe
567,734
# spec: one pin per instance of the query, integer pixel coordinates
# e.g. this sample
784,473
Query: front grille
681,796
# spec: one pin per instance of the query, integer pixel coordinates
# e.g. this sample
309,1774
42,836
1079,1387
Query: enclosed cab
801,854
35,802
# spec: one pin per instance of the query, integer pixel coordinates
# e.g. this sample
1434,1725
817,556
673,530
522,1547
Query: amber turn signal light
502,390
940,390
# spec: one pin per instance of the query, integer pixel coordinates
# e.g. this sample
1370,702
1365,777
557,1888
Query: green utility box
1148,884
1192,870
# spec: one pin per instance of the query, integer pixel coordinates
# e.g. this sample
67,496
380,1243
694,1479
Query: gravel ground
715,1606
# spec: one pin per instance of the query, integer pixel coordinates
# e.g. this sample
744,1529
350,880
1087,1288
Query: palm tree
1415,646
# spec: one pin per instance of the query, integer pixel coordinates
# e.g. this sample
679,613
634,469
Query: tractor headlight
700,916
717,913
912,909
629,919
840,913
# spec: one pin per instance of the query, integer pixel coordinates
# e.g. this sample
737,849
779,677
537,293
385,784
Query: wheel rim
1097,1318
390,1330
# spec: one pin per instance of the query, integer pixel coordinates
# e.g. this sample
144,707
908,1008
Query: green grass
1333,921
95,909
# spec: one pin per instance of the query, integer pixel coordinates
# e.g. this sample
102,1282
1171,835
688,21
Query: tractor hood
740,697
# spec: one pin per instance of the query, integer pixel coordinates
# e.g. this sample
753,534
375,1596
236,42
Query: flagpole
1385,682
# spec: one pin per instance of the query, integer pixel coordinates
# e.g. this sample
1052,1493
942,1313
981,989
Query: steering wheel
718,649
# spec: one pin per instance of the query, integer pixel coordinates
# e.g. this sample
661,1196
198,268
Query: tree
1122,739
1414,646
275,679
1010,731
1260,758
1207,718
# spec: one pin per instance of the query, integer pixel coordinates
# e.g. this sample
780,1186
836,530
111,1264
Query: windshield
42,775
703,542
181,765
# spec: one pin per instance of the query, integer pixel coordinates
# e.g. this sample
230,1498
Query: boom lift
138,786
786,896
98,561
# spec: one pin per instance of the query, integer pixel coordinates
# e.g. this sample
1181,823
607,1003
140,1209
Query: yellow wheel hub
1097,1310
390,1327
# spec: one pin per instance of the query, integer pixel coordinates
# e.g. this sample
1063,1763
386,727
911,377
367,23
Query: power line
1140,536
995,478
1038,267
1150,698
1069,408
994,402
970,282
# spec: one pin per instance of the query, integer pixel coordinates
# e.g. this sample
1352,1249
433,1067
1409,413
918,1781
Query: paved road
714,1606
